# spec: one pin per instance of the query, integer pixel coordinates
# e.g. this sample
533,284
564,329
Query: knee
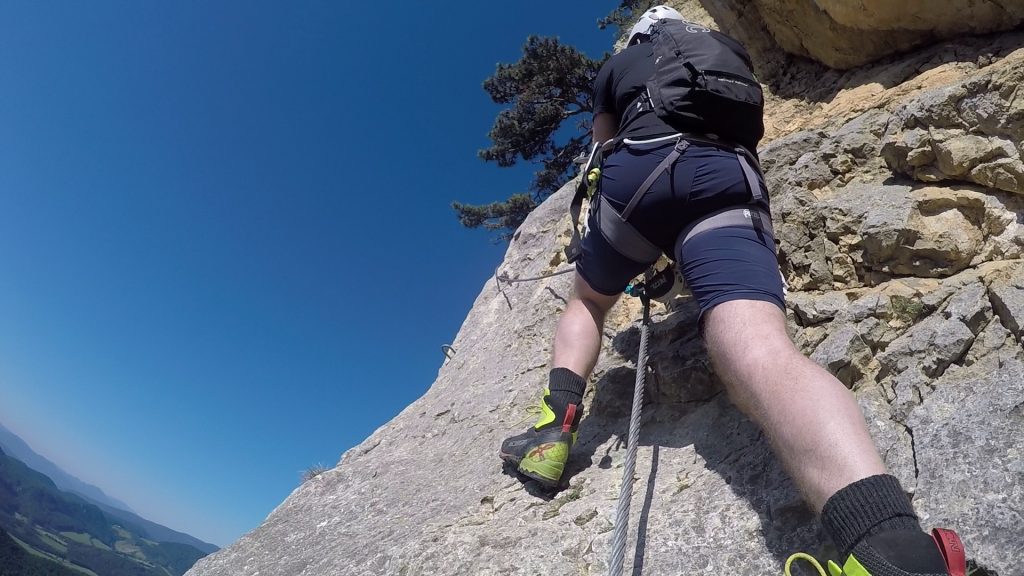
753,369
743,363
750,380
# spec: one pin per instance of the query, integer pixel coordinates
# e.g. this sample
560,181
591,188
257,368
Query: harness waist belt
625,238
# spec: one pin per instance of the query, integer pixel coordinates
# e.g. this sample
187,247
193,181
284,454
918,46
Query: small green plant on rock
683,482
904,309
313,471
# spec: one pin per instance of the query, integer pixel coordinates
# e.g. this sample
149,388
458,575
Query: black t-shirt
619,83
618,86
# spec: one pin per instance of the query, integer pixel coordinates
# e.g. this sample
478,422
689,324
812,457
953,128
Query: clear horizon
226,235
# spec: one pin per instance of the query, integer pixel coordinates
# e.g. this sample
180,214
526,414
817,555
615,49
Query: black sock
873,519
566,388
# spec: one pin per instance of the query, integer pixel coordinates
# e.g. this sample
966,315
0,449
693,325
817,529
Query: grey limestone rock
970,305
959,452
1008,302
994,346
868,305
814,309
930,346
845,354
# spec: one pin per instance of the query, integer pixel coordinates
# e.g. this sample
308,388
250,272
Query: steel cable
504,278
618,552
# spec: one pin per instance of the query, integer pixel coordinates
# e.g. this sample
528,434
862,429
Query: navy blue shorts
721,264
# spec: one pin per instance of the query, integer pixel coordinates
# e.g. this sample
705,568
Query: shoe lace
806,558
532,411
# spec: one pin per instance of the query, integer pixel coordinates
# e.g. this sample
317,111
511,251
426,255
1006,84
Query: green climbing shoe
950,547
541,452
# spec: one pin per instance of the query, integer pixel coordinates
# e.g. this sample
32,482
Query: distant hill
156,531
71,531
16,561
14,446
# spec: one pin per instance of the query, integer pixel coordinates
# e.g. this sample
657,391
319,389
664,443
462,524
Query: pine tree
549,85
505,216
626,13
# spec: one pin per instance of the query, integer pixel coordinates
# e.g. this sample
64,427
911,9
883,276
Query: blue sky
226,246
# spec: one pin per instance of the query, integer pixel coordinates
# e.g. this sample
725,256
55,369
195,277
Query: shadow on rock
532,487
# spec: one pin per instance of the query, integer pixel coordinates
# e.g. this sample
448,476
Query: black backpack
704,81
704,87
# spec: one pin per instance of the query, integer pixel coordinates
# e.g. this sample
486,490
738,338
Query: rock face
844,34
970,131
896,194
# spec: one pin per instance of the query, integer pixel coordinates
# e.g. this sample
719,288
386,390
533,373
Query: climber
732,270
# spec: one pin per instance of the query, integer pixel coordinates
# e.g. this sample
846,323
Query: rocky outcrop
844,34
970,131
944,18
898,212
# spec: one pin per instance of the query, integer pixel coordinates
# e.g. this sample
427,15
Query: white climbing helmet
647,20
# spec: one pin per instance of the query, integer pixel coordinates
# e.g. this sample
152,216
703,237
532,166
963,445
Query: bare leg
811,419
542,451
578,336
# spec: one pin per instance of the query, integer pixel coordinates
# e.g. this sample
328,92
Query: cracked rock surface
897,205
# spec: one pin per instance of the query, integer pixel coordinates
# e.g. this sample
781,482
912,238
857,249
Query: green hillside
64,527
16,561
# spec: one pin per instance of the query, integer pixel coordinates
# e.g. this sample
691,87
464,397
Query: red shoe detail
570,415
540,452
952,550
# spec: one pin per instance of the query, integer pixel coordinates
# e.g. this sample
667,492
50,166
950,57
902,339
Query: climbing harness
618,551
625,238
621,234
